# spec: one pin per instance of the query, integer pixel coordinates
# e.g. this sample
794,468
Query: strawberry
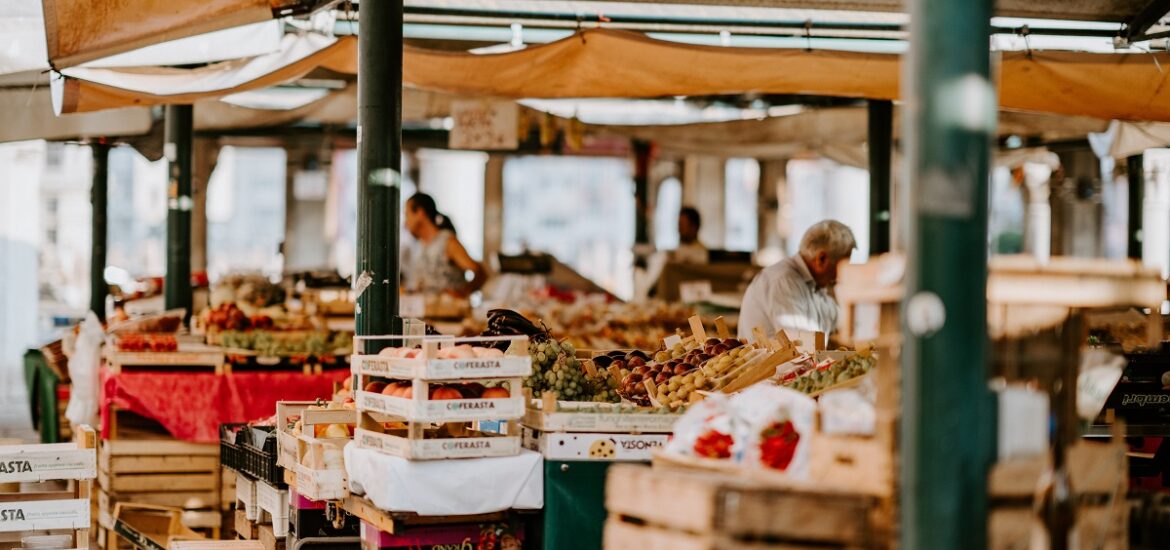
714,444
778,444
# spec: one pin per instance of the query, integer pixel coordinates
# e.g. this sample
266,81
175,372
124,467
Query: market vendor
438,263
690,250
794,293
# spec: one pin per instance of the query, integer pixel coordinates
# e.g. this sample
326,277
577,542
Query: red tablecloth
192,405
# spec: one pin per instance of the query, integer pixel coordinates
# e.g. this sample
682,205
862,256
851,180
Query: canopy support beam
177,146
1136,173
377,278
1149,16
881,150
97,260
947,423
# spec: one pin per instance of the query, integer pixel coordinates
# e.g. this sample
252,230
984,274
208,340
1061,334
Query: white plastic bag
1100,372
706,430
83,373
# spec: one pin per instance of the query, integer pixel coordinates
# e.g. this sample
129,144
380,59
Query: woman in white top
440,263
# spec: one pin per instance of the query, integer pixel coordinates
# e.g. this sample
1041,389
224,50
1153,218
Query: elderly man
794,294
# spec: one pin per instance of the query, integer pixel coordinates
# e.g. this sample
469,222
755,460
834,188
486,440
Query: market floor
15,422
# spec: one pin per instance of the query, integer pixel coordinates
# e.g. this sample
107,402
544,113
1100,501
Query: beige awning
77,31
29,115
608,63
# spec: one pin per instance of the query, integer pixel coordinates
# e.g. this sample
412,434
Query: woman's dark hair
427,204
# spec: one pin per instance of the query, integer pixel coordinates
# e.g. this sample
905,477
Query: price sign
693,292
484,125
412,306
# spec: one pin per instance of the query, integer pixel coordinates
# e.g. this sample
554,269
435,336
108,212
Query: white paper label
481,124
412,306
692,292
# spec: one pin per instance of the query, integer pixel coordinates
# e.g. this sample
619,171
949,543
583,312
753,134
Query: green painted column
881,150
379,165
178,135
1136,173
97,260
948,423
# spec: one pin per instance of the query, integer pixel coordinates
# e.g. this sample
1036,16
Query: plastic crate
251,450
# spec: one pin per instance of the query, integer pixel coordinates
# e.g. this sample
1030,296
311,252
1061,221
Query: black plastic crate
251,450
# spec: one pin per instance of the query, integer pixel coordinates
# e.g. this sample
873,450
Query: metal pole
641,192
179,136
948,423
881,148
379,166
97,260
1136,172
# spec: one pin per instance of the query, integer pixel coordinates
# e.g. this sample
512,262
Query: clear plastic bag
706,430
83,373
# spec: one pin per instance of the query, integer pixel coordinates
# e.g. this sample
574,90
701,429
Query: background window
579,209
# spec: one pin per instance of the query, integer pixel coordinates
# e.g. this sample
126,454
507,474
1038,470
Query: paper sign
412,306
484,125
693,292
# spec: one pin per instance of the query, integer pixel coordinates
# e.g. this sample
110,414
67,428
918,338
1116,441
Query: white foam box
594,446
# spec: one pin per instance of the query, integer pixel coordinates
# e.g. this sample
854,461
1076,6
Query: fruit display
439,392
463,351
599,324
677,373
146,342
829,373
556,369
283,344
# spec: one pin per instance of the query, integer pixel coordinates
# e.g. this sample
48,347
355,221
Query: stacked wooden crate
660,509
161,472
45,490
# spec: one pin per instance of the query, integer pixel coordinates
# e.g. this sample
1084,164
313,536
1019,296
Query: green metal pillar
642,153
948,423
1136,172
379,166
97,260
178,133
881,150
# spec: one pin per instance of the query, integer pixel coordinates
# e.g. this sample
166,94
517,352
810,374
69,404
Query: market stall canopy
1085,10
78,31
608,63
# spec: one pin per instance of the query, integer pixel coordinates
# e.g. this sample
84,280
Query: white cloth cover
447,487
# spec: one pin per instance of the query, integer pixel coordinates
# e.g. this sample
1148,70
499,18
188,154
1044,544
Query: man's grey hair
830,236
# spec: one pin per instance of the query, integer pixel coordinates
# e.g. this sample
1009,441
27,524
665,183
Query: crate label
44,515
373,365
48,465
603,447
1144,399
467,447
449,410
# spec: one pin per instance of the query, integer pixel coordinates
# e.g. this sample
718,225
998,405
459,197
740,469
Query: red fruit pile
778,445
714,444
144,341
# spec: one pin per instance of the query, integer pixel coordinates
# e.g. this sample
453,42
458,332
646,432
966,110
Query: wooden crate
52,486
215,545
163,472
148,527
663,508
1098,476
418,442
245,528
189,357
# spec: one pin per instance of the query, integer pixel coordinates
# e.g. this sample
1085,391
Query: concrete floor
15,422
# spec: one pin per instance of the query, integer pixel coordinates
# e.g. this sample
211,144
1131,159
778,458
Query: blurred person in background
794,294
438,263
690,250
